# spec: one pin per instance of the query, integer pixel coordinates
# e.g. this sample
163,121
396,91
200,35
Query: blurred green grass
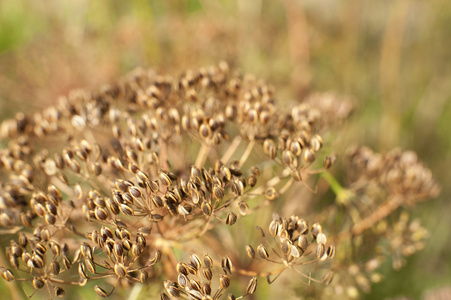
392,56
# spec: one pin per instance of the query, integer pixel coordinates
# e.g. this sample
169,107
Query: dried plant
119,186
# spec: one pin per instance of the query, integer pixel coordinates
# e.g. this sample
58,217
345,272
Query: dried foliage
120,185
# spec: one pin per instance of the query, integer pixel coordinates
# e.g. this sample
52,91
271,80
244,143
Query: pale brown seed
226,264
262,252
224,281
101,292
250,251
231,218
59,291
38,283
271,193
252,286
120,270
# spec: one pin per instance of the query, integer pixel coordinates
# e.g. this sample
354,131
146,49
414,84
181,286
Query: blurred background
392,56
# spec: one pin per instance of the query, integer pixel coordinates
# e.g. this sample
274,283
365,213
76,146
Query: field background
392,56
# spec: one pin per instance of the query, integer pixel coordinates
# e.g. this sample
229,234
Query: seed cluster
117,185
293,244
114,179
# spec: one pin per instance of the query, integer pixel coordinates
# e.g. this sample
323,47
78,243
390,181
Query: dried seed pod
316,229
262,252
207,273
243,208
82,271
90,266
171,288
206,208
101,292
7,274
303,242
231,218
100,213
252,286
55,268
120,270
271,193
164,178
329,161
226,264
59,291
195,261
250,251
126,210
218,192
38,283
195,294
320,251
285,246
182,268
182,280
309,156
287,157
331,251
224,281
321,238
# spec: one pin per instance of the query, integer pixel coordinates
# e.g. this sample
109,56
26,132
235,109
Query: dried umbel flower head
112,186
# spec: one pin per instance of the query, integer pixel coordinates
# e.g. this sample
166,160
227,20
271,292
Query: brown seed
224,281
231,218
296,175
120,270
55,268
126,210
302,242
59,292
262,252
7,274
206,208
101,213
226,264
252,286
309,156
316,229
82,271
182,280
331,251
250,251
207,273
101,292
320,251
38,283
271,193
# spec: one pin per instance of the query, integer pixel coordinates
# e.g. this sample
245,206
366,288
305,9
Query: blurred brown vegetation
392,56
